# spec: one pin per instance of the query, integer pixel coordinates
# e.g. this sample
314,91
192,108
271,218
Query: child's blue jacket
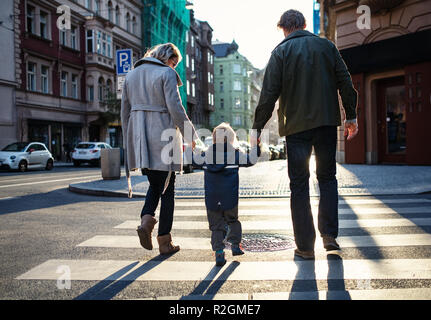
221,177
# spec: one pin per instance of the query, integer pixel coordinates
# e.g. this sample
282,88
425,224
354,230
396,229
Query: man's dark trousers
299,148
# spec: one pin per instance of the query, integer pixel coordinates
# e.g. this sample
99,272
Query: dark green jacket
305,72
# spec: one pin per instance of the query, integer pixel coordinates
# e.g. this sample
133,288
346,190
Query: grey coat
150,104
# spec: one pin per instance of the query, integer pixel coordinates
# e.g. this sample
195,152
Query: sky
252,23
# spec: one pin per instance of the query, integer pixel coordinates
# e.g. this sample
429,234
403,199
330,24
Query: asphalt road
44,228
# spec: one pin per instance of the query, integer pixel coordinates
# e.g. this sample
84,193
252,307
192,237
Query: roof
223,49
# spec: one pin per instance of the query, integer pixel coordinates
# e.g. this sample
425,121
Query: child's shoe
237,250
220,260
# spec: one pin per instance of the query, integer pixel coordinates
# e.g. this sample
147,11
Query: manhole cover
258,242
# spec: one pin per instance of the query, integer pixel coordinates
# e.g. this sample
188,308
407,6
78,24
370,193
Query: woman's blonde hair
224,132
164,52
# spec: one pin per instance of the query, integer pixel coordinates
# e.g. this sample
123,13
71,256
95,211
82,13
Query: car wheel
22,166
76,163
49,164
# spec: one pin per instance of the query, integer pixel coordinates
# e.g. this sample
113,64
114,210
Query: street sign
120,83
124,61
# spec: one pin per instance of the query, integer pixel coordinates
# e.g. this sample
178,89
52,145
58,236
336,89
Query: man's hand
350,129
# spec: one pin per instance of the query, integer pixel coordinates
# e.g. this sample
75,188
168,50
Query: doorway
391,120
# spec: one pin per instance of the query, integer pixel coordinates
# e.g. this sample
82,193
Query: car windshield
16,147
85,146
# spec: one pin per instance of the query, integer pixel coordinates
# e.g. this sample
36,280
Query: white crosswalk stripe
259,217
287,224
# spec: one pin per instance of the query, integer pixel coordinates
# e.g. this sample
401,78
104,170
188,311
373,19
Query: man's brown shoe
145,230
329,243
308,255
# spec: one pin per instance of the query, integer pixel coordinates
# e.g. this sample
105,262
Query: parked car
244,146
88,152
282,151
275,154
26,155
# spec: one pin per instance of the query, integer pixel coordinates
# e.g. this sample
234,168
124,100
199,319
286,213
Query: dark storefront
402,102
60,138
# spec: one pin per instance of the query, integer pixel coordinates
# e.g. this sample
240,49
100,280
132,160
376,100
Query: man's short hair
292,20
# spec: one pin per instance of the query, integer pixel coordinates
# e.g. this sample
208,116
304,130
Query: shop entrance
392,120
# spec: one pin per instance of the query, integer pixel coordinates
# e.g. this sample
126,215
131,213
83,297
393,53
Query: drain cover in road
258,242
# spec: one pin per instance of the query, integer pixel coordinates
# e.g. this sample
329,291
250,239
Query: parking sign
124,61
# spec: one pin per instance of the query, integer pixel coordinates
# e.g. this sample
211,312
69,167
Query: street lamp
189,5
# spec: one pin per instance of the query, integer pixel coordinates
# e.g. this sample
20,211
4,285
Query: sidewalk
270,179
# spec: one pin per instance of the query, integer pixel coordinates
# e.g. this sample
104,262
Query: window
209,77
221,87
90,38
193,90
43,24
101,89
31,76
237,85
212,78
193,41
237,120
193,64
30,19
237,103
128,22
236,68
221,103
73,34
90,93
97,7
110,12
212,99
188,87
88,4
221,69
104,44
187,61
209,98
117,15
74,86
63,84
63,37
44,70
187,37
212,58
134,25
109,46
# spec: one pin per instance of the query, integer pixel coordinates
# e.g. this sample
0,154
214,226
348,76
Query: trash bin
110,163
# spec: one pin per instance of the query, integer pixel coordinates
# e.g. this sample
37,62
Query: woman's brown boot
165,244
145,229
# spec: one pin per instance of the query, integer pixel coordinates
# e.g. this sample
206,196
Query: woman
150,105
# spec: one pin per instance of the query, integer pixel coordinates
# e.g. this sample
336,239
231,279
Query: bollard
110,164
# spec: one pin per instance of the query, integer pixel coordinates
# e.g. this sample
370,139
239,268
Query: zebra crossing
386,254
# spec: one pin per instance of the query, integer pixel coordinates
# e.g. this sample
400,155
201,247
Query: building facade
233,81
167,21
390,63
200,72
67,76
8,75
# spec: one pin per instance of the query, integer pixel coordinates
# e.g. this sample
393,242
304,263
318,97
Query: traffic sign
124,61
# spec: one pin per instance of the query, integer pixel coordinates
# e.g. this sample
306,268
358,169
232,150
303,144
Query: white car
88,152
26,155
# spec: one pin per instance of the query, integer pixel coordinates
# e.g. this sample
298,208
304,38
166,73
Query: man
306,73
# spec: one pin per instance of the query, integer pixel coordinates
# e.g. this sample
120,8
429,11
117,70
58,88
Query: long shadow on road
118,281
51,199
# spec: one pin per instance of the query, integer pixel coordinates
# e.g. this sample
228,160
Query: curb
137,195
